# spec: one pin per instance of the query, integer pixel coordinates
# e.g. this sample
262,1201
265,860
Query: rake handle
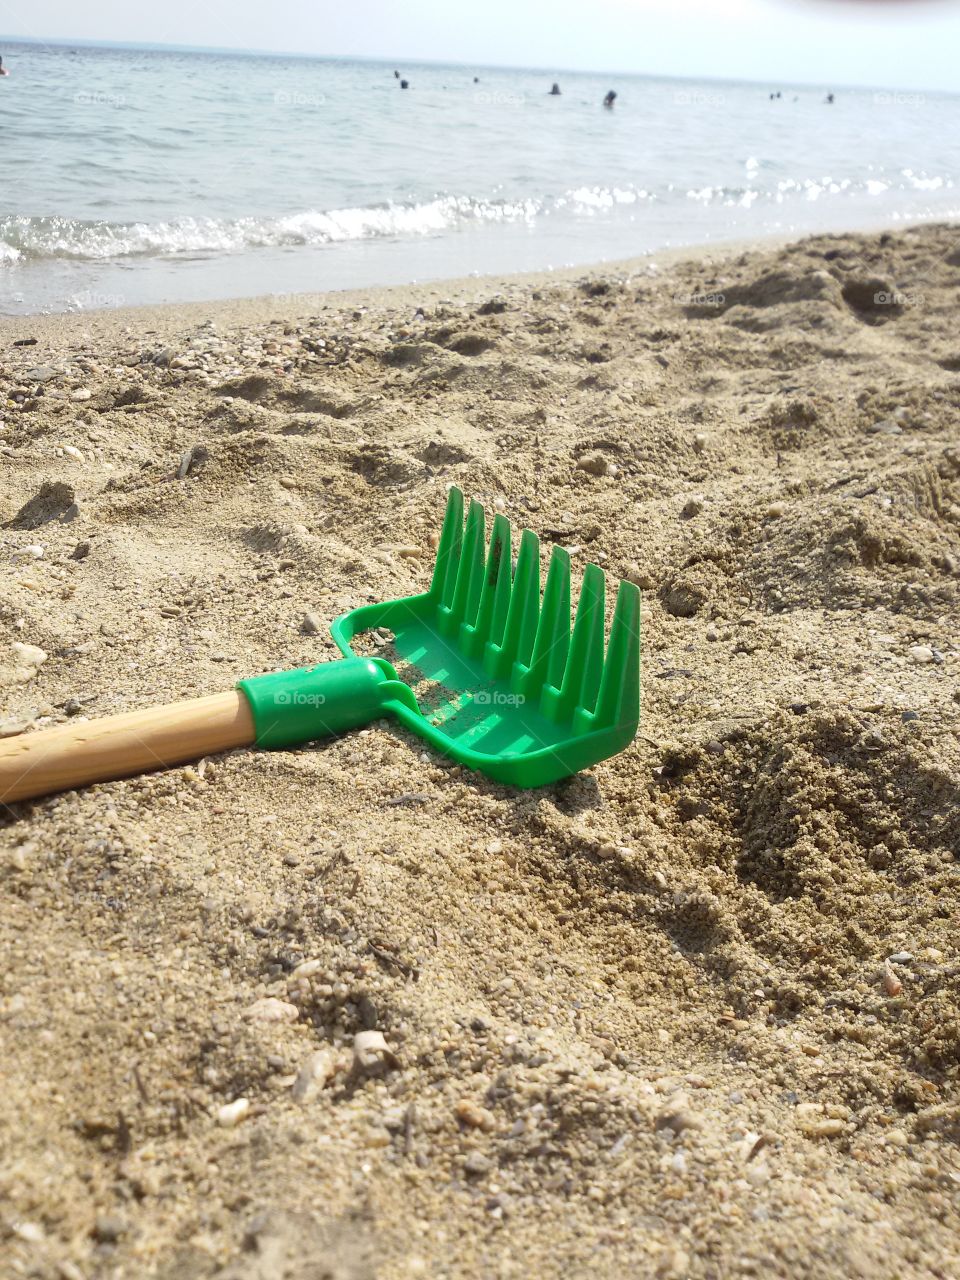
277,710
74,755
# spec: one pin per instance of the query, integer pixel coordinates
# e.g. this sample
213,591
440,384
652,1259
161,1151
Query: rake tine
524,607
581,680
619,700
466,597
448,551
553,631
495,593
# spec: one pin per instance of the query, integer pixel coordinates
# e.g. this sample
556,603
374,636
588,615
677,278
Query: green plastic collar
290,707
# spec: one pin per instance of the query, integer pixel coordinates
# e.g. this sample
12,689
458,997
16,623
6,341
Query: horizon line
244,52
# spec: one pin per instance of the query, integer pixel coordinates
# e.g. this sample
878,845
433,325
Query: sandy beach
694,1012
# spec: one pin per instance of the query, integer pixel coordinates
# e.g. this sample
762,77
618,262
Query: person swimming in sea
3,69
555,91
610,99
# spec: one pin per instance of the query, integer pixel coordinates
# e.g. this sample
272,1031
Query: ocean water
132,175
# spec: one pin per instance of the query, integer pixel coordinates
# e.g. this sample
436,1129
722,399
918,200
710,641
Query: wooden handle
73,755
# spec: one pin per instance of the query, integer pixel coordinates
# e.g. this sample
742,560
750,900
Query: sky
908,44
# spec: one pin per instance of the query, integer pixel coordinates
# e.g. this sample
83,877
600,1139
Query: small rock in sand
474,1116
317,1068
108,1228
891,983
29,1232
270,1009
370,1050
27,660
921,653
594,463
231,1113
676,1115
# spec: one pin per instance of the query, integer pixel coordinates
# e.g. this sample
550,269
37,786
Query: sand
695,1012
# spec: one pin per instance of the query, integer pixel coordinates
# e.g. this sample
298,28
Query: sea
135,175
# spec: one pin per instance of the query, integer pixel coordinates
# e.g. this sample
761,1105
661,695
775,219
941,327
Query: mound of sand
695,1012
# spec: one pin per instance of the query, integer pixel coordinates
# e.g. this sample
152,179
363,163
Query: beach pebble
231,1113
29,1232
370,1049
693,506
885,427
12,728
674,1264
921,653
594,463
814,1121
108,1228
495,846
699,442
891,983
477,1164
900,957
192,457
317,1068
73,452
27,660
270,1009
640,578
474,1116
775,510
81,394
676,1115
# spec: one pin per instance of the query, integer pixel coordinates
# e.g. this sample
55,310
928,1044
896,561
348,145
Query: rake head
492,673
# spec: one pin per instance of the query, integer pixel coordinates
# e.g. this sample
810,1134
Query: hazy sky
882,43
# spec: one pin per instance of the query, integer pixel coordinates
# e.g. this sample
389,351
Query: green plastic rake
482,667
